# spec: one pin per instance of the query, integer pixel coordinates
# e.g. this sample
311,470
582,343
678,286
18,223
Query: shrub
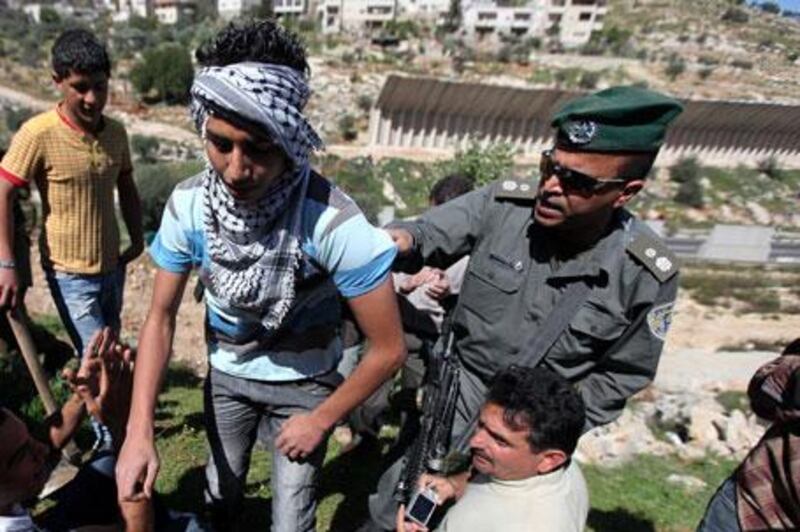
155,183
736,16
146,147
770,167
675,67
691,194
165,73
364,102
685,170
347,127
481,164
705,73
742,63
770,7
15,117
588,80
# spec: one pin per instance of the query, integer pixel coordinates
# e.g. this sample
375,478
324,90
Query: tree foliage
687,172
480,164
164,73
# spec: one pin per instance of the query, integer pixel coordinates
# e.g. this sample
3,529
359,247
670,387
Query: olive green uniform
513,282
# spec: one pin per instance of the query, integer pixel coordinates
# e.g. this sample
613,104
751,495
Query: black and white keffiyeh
254,247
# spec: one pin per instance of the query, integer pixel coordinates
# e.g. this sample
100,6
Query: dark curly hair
261,41
542,401
449,187
79,51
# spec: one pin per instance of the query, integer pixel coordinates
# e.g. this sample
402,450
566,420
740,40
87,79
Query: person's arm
9,282
131,208
379,319
443,234
63,424
137,465
630,363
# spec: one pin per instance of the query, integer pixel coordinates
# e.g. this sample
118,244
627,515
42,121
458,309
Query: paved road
686,369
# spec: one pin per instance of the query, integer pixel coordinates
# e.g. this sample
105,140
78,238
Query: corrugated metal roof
703,123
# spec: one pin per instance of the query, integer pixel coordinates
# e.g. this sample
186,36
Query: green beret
616,119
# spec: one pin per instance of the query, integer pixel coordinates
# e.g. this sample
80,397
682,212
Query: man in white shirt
522,477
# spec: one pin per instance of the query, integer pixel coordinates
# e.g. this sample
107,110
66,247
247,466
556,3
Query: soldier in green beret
560,273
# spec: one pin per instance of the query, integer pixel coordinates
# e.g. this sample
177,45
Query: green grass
734,400
632,497
637,497
755,289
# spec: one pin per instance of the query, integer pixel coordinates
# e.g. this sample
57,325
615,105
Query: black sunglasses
572,179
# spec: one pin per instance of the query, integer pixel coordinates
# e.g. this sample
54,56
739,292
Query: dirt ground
695,327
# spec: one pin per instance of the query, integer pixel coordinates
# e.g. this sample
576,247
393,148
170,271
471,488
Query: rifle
429,450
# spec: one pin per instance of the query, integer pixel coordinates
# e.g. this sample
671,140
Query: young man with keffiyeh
275,244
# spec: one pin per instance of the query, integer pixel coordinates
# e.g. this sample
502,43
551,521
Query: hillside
729,51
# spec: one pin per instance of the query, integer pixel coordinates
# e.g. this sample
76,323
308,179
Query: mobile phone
421,507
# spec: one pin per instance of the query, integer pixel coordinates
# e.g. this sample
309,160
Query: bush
705,73
155,183
347,128
481,165
770,167
690,193
15,117
146,147
736,16
675,67
364,102
357,178
742,63
685,170
589,80
770,7
165,73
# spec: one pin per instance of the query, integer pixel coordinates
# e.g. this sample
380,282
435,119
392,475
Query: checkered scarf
254,247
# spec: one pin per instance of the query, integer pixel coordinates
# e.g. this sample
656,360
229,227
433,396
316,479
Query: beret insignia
581,131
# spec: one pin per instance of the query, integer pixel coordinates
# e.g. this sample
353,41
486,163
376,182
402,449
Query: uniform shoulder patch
654,255
516,189
659,319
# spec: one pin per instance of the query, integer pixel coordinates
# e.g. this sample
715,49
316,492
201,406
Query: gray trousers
382,504
237,412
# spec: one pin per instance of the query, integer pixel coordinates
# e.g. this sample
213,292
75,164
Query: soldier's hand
402,239
9,288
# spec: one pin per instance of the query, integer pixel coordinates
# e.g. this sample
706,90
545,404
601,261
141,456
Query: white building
487,18
174,11
575,19
229,9
290,8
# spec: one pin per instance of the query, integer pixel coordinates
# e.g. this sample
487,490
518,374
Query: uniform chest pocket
596,322
491,285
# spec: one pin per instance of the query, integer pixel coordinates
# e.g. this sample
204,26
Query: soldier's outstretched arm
443,234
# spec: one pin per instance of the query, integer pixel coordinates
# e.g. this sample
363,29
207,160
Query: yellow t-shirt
76,175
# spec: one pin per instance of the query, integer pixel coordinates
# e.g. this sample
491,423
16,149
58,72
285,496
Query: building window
584,17
554,18
584,2
522,16
558,3
487,16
